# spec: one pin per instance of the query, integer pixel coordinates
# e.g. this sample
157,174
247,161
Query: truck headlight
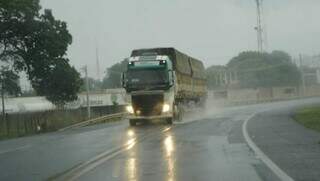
129,108
165,108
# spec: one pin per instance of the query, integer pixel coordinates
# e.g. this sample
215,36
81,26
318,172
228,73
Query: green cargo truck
159,82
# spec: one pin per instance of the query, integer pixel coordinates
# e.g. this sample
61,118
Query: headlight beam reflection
169,149
131,139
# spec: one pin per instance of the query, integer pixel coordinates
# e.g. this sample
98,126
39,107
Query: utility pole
85,68
98,63
258,28
2,99
302,76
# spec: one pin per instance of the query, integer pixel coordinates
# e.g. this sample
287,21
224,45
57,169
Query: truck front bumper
162,116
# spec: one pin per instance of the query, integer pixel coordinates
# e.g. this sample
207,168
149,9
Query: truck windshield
153,78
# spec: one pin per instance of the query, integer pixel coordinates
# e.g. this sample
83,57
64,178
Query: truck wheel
132,122
169,120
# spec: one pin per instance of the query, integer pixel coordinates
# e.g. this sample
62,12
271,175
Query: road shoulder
292,147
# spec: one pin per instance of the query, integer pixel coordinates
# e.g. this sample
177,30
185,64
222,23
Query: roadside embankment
309,117
292,147
30,123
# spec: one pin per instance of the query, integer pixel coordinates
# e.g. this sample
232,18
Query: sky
211,30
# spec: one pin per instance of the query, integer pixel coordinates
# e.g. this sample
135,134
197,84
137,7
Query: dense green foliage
61,84
256,69
37,43
9,81
113,77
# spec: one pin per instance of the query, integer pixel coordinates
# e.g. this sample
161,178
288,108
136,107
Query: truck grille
147,105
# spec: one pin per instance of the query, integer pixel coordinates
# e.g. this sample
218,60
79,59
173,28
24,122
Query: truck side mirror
123,77
171,77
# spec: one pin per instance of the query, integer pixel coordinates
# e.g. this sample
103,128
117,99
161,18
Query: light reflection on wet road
167,152
178,152
131,163
210,147
169,157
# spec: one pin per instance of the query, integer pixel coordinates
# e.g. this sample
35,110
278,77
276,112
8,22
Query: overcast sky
211,30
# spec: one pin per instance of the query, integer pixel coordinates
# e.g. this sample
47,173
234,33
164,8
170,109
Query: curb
262,156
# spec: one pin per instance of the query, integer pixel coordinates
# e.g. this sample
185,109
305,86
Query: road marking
276,170
95,162
83,168
15,149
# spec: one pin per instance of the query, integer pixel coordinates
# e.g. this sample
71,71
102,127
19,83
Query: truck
161,82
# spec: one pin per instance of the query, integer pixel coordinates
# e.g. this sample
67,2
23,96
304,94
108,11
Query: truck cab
150,88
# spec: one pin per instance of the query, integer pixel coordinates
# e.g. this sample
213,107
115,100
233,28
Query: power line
85,69
98,63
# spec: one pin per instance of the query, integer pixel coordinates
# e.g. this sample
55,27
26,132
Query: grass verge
309,117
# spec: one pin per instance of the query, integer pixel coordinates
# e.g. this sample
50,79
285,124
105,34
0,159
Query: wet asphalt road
291,146
206,146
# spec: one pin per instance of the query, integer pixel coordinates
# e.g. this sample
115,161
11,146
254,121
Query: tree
61,84
213,74
256,69
9,81
37,44
9,85
113,77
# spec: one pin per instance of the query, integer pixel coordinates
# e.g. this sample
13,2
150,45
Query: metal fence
21,124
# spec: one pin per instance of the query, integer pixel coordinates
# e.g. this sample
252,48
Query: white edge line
272,166
86,167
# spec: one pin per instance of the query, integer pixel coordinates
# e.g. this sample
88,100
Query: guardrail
95,121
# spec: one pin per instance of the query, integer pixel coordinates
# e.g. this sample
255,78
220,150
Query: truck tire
132,122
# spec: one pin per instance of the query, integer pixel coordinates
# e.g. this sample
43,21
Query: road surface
239,144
